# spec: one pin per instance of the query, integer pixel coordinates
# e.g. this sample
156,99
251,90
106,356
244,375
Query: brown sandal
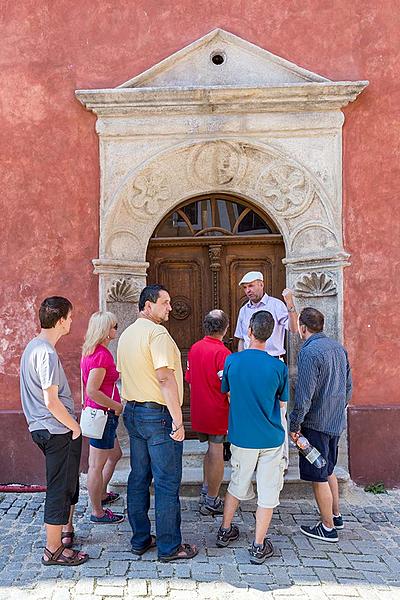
183,552
58,558
151,544
67,535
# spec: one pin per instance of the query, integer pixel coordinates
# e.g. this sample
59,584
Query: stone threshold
192,476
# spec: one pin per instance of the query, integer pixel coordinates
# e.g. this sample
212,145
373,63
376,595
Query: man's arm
288,298
307,375
239,333
169,391
58,410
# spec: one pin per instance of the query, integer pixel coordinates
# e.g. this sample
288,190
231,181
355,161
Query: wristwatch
291,309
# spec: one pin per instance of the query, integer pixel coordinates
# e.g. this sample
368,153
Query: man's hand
288,297
76,431
177,433
294,435
118,409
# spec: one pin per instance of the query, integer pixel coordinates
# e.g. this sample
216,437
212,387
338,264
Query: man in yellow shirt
152,384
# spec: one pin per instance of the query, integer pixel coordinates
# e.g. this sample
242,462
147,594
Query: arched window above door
214,215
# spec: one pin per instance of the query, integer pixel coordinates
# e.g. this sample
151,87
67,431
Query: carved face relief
217,163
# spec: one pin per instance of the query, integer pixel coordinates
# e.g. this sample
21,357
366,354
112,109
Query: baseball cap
251,276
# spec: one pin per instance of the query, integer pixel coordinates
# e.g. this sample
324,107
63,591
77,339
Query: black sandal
68,535
58,558
189,551
152,544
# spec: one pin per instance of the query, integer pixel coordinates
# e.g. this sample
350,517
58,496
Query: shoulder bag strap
82,392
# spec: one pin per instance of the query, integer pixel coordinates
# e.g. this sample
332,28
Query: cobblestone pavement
364,564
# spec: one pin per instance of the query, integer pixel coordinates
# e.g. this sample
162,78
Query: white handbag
93,420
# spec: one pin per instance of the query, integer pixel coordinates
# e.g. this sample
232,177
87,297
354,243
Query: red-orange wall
50,189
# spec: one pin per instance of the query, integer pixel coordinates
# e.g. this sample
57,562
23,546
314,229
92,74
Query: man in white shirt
285,315
285,318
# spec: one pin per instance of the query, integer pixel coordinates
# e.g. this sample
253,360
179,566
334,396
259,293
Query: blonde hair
98,329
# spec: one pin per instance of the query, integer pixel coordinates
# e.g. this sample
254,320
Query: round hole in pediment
218,58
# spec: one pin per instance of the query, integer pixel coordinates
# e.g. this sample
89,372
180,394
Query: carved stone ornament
286,187
180,307
149,189
124,290
217,163
315,284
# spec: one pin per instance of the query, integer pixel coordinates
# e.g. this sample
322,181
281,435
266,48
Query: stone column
120,284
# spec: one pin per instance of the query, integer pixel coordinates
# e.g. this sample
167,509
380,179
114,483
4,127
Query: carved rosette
286,187
180,307
217,163
124,290
315,284
148,191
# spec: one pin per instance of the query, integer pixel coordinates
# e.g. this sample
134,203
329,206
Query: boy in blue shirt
258,386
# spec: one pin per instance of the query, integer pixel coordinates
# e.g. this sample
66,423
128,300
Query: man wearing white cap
285,316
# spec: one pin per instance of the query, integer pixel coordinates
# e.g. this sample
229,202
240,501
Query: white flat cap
251,276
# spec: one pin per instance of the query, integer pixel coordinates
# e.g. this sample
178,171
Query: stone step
192,475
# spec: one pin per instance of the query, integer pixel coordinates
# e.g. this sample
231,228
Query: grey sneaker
338,522
320,533
225,536
212,509
259,552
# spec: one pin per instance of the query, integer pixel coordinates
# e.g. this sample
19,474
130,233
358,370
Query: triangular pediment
221,58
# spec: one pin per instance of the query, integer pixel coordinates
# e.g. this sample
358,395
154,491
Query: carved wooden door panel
239,258
183,271
203,274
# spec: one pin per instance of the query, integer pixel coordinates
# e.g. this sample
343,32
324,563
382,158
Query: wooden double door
204,273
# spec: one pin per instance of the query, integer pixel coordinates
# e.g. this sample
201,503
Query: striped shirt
323,387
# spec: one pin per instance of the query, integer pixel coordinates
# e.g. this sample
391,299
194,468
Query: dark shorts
328,446
110,433
210,437
63,455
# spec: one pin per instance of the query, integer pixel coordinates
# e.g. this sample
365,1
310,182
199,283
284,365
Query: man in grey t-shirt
49,410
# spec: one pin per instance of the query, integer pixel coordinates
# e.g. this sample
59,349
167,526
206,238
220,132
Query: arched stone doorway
254,126
200,251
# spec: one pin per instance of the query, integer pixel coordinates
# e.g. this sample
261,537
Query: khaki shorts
269,465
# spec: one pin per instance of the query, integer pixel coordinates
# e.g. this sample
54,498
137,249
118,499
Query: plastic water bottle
313,455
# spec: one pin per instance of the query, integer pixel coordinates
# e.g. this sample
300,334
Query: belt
155,405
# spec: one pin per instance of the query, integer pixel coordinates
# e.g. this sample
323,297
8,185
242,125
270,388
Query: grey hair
216,321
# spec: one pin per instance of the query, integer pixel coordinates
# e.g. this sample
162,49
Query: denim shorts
110,433
328,446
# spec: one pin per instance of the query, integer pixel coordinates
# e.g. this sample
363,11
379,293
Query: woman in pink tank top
99,376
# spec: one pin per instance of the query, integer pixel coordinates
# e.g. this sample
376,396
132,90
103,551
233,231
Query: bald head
215,323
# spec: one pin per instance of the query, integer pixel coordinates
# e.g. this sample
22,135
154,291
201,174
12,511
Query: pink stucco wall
50,189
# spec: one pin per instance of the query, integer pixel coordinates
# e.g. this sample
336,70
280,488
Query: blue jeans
153,455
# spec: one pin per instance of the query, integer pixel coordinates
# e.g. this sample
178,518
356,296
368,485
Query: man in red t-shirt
209,407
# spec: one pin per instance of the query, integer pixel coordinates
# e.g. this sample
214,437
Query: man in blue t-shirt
258,386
